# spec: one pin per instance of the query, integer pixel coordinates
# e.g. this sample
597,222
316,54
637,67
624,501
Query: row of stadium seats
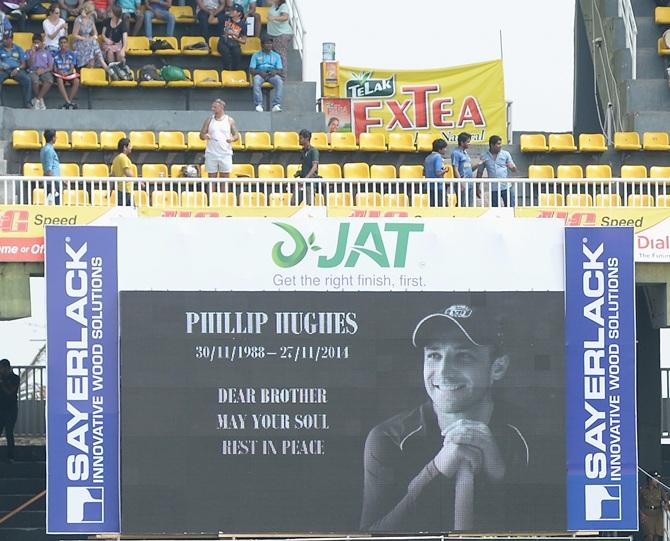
596,171
242,170
174,140
198,78
593,142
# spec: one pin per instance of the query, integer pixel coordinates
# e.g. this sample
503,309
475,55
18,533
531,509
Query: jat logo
370,241
364,86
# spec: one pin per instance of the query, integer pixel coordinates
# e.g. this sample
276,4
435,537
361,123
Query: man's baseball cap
481,326
237,7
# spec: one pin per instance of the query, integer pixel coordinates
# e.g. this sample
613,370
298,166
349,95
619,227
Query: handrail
628,17
22,506
299,33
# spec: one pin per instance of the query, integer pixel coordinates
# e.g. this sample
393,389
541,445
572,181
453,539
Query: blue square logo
602,502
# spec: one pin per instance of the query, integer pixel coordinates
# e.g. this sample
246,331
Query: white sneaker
42,105
259,108
276,109
34,103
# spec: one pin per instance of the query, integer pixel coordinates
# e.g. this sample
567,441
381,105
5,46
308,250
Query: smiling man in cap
453,462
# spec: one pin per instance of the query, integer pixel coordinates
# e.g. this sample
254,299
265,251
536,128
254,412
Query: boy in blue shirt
433,167
462,164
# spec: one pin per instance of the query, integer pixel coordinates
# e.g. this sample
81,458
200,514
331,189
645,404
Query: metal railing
299,33
628,16
32,400
216,194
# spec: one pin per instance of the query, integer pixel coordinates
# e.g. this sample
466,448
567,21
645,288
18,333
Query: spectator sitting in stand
115,36
40,65
232,36
102,8
210,12
70,8
161,10
134,8
54,28
26,8
265,65
65,70
251,17
85,37
5,23
13,66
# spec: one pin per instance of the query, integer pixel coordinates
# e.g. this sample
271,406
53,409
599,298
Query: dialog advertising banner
226,212
443,101
22,227
83,380
651,225
338,376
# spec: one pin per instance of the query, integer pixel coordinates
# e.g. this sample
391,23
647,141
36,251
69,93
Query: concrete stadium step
9,502
645,95
22,485
27,519
648,121
32,469
649,64
643,7
648,31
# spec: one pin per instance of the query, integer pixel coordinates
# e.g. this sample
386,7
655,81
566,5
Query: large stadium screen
341,376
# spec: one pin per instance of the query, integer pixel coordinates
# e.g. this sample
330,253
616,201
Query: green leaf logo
299,251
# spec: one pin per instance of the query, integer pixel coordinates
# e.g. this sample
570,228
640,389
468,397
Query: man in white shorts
220,132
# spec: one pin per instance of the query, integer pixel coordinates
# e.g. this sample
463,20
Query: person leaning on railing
123,167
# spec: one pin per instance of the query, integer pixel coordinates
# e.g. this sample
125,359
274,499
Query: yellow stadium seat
540,171
561,142
234,79
154,170
410,171
640,200
579,200
343,141
74,197
253,199
424,142
633,171
193,141
662,15
138,46
23,40
663,201
369,199
608,200
569,171
175,170
182,84
420,200
448,171
85,140
171,140
320,141
103,198
39,16
292,169
94,77
598,171
372,142
190,40
401,142
222,199
206,79
214,46
164,198
243,170
62,140
172,41
395,200
383,171
32,170
143,140
286,140
356,170
271,170
330,170
551,200
657,171
533,142
194,199
280,199
109,140
239,144
655,141
452,200
70,170
257,140
661,48
592,142
39,197
140,198
251,46
26,139
263,13
151,83
95,170
183,14
318,200
340,199
627,140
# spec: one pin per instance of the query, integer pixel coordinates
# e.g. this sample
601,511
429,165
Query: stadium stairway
644,103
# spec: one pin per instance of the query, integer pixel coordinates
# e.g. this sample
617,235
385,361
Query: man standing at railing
9,388
51,167
652,502
498,163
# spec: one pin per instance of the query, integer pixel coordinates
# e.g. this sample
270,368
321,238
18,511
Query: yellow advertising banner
219,212
444,102
651,225
22,227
